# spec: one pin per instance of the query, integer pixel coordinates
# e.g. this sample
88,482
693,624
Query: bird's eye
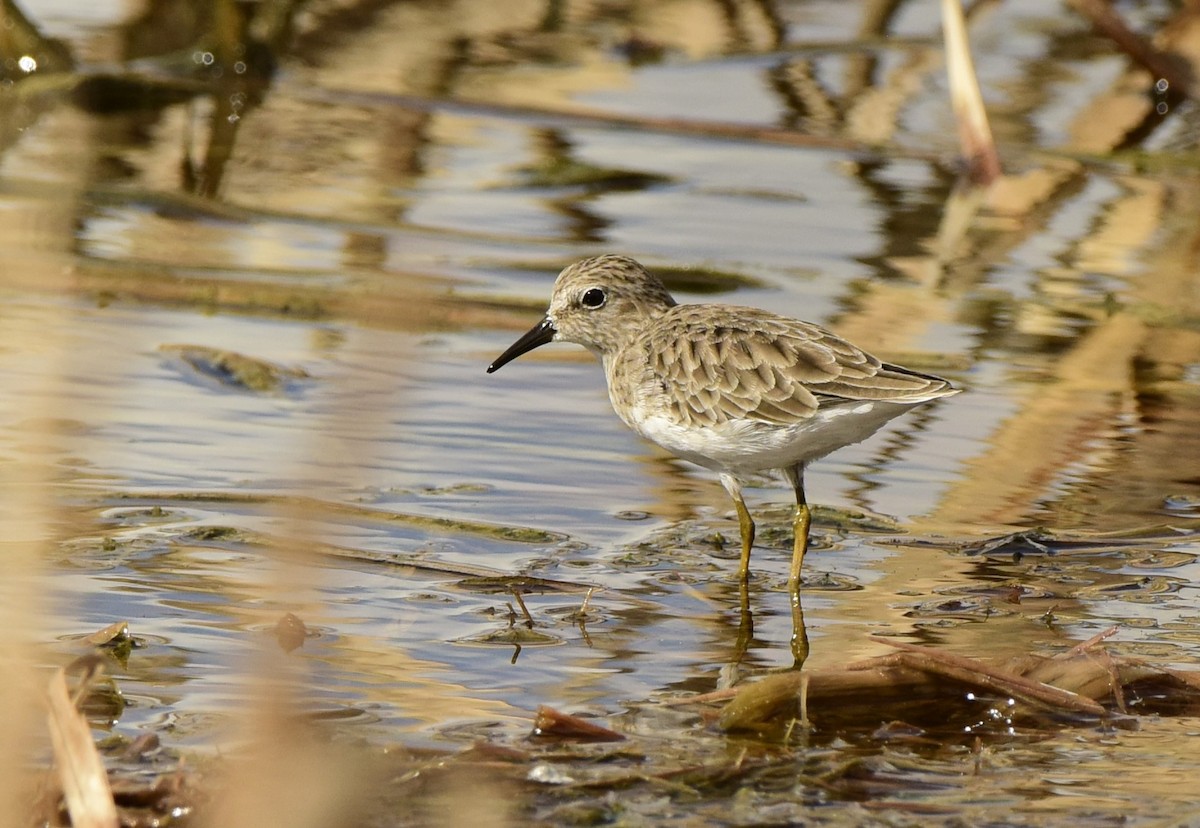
593,298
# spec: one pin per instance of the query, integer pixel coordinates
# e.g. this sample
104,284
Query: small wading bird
733,389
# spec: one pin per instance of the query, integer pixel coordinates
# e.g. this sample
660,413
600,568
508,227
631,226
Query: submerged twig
1083,646
516,593
583,608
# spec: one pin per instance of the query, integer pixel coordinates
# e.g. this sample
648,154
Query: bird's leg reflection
799,640
745,622
799,632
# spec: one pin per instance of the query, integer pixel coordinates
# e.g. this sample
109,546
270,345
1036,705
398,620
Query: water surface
381,209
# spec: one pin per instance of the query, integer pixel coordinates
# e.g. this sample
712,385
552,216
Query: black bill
538,335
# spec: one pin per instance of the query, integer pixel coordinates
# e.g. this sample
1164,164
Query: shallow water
387,213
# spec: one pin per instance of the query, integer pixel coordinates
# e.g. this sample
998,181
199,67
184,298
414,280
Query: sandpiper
733,389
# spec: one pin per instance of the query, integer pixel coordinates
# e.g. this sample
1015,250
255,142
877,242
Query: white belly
751,445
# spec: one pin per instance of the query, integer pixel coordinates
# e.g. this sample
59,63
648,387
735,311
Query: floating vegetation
927,716
291,632
343,510
236,370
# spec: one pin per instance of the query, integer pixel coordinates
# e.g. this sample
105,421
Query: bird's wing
716,364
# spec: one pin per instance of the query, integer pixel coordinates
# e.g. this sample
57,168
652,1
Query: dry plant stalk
973,671
974,131
555,723
1075,681
81,771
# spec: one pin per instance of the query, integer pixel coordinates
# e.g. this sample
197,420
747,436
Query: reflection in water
232,50
387,192
799,639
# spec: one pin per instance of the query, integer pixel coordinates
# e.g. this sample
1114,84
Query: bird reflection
745,635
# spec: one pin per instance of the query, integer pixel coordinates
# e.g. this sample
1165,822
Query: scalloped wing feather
713,364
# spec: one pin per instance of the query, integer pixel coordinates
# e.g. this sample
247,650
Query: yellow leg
801,519
745,523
